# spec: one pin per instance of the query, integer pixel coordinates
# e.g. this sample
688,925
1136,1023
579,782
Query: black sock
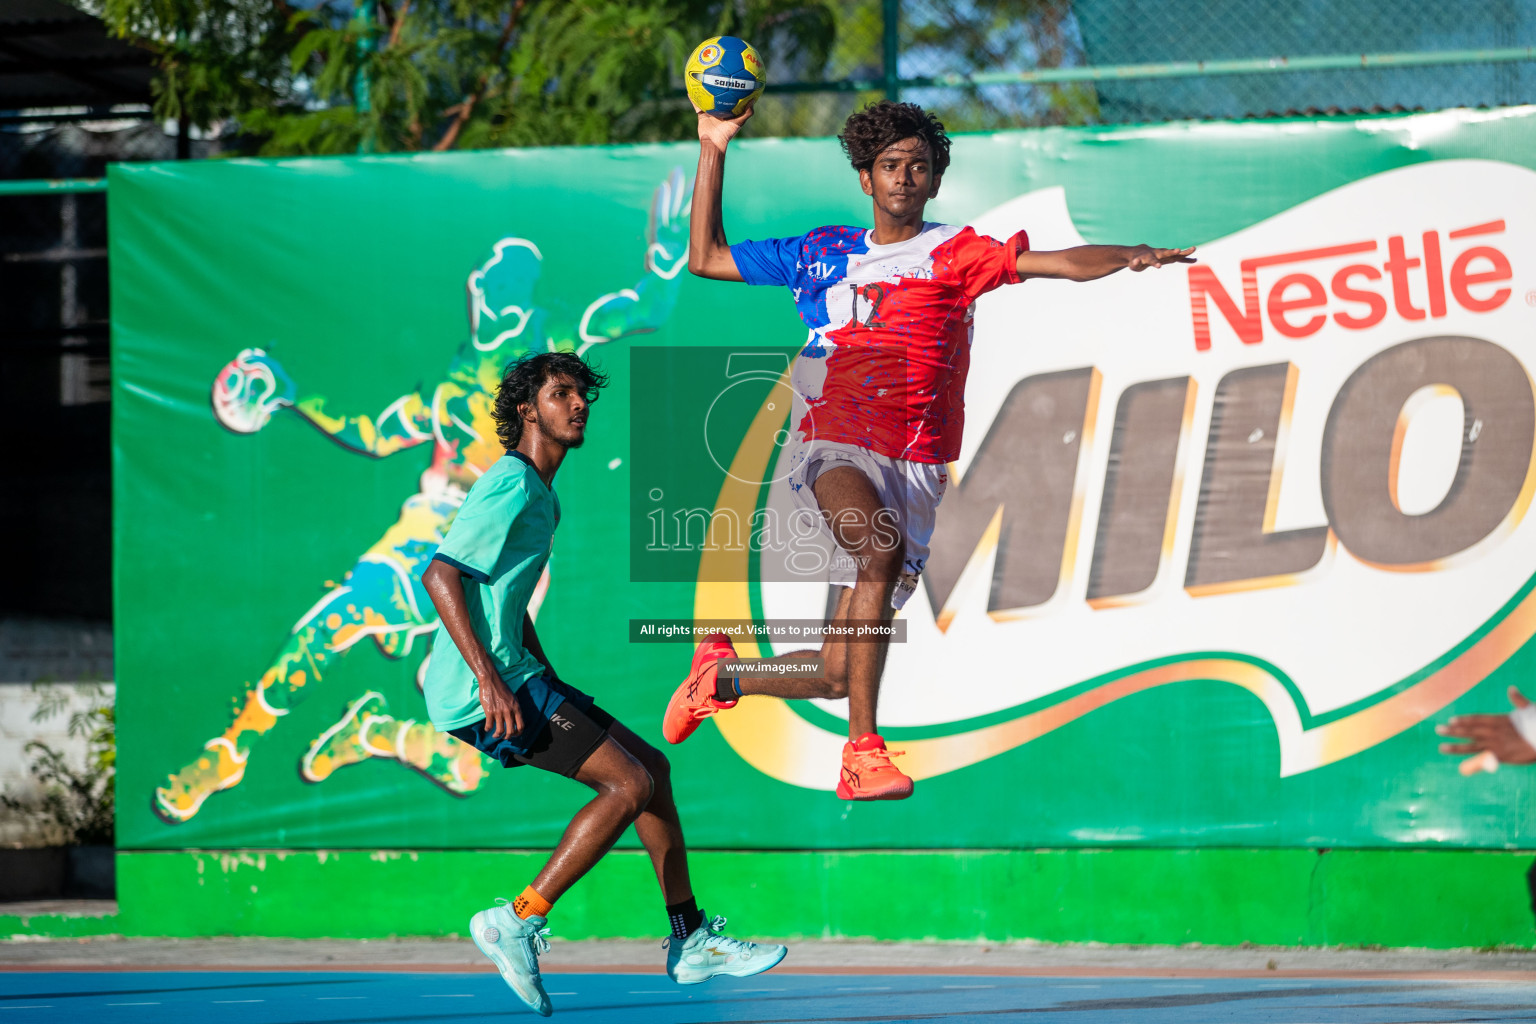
725,688
684,917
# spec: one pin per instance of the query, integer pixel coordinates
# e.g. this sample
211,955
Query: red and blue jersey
890,330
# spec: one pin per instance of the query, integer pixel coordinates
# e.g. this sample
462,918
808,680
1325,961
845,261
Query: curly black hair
524,377
869,132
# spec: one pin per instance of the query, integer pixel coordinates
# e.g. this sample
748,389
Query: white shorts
910,490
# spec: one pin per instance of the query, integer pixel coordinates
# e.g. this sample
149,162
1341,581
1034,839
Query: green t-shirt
500,541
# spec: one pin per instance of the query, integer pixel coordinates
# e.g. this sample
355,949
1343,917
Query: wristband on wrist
1524,721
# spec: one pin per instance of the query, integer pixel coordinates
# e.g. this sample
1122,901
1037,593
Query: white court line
34,1006
863,988
341,997
448,995
756,990
561,993
133,1004
652,993
968,986
1077,986
220,1002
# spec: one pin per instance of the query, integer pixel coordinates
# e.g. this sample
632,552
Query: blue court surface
294,997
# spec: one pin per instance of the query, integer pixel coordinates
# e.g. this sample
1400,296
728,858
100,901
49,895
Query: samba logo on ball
724,76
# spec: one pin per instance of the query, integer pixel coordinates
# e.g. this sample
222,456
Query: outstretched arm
709,254
1090,262
252,386
646,306
404,423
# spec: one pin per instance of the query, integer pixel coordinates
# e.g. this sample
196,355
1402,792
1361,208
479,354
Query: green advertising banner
1223,545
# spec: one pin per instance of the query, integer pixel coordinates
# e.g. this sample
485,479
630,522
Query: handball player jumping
879,400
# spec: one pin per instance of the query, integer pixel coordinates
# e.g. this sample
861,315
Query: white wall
33,650
18,702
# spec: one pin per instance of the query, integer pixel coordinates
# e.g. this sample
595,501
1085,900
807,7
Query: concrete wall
1424,898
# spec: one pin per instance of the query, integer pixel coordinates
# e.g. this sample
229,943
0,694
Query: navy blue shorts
558,742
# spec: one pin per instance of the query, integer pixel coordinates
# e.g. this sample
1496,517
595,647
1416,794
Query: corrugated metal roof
53,55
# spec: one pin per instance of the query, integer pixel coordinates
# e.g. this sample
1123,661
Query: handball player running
879,394
493,688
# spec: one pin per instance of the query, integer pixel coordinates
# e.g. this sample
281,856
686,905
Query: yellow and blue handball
725,75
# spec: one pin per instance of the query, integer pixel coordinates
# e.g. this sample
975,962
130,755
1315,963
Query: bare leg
623,789
658,826
850,505
833,685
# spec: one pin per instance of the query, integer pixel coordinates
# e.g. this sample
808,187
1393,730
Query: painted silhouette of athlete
381,598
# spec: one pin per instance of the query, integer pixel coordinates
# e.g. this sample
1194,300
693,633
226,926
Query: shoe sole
844,793
755,970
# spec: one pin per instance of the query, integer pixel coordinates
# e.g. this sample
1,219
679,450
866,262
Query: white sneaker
707,953
513,944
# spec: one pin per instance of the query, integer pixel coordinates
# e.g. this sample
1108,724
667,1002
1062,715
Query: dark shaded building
72,99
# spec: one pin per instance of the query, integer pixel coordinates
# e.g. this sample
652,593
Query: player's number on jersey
873,296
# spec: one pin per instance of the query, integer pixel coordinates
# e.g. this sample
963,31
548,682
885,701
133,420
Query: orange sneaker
868,773
695,700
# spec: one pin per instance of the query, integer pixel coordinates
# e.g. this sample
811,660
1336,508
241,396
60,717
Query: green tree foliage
214,58
403,75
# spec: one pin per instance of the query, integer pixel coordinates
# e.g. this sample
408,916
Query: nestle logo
1298,305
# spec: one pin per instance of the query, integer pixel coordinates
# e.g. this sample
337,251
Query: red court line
788,968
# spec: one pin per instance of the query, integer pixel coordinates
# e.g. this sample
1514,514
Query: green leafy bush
75,807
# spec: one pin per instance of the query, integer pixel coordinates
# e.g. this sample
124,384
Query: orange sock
531,904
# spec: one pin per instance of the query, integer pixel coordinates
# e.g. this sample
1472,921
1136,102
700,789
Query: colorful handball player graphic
380,599
880,395
491,685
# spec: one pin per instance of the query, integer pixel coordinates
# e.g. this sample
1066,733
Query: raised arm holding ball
889,310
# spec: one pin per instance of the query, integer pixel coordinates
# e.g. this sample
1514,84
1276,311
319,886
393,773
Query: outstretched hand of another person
1488,740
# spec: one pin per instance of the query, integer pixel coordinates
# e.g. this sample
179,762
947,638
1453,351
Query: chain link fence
992,64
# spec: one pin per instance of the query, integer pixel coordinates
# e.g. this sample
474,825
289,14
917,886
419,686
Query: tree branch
467,107
399,22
